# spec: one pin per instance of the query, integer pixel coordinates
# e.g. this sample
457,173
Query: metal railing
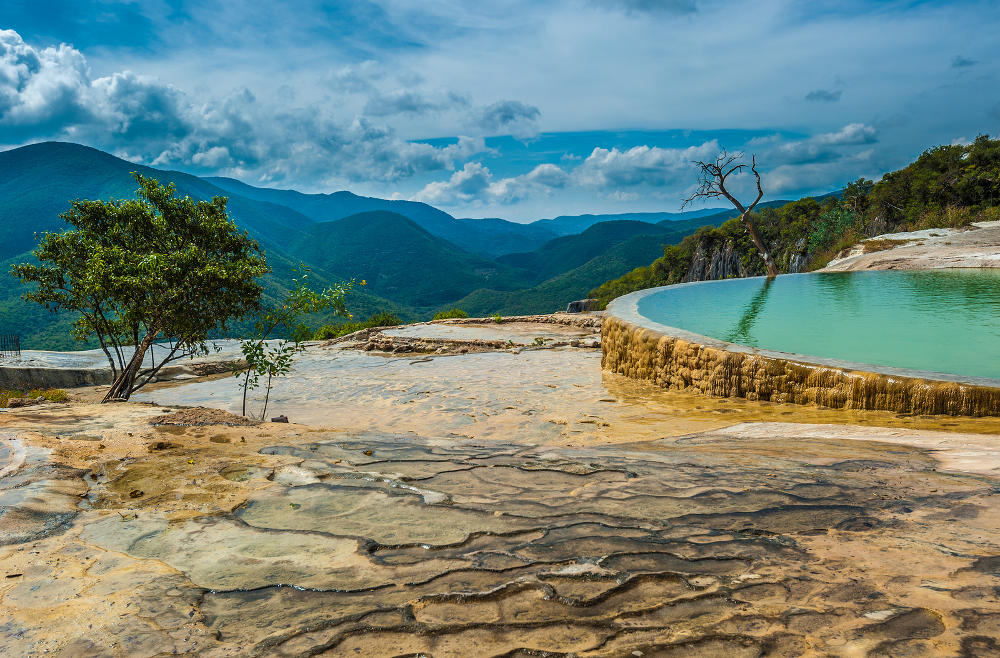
10,346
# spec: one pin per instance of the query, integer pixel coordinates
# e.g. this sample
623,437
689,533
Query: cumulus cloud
852,134
49,93
40,88
797,178
614,173
824,95
474,184
824,147
356,78
640,165
651,172
508,117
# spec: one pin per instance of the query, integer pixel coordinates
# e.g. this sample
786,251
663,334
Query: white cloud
612,172
474,184
49,93
851,134
214,158
822,175
649,173
610,169
40,87
824,147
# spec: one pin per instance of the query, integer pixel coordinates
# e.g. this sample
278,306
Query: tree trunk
123,386
267,396
772,269
246,383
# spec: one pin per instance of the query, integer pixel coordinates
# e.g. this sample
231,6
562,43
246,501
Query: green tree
157,267
267,359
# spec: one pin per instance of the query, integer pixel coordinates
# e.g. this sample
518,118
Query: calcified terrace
510,503
640,348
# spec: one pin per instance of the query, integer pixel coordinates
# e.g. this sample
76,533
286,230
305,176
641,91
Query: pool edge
639,348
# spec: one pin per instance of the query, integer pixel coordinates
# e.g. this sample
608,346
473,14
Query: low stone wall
677,362
25,378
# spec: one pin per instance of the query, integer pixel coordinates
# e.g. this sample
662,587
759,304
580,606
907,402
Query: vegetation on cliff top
947,186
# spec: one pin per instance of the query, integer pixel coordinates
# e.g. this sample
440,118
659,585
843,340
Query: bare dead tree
712,184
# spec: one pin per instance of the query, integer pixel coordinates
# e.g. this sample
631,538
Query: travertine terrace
515,501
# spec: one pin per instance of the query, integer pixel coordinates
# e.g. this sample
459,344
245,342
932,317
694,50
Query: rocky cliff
726,259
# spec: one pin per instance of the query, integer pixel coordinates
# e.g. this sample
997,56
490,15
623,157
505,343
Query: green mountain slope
555,293
487,237
37,182
570,251
570,224
400,260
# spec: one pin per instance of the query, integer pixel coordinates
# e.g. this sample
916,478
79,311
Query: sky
521,109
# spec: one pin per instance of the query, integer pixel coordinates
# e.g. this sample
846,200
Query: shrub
496,318
383,319
450,313
50,394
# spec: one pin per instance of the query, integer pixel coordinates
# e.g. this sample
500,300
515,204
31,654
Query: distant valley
415,259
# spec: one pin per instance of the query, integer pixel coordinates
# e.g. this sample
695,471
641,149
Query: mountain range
415,258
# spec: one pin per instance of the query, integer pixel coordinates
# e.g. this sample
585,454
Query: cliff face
714,259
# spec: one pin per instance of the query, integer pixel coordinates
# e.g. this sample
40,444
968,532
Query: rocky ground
506,502
975,246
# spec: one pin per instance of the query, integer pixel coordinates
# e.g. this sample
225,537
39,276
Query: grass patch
450,313
383,319
50,394
871,246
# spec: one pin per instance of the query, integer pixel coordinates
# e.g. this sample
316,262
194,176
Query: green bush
383,319
50,394
450,313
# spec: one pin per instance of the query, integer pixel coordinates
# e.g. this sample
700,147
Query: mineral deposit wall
677,363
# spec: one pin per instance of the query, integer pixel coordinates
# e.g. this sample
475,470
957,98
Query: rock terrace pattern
398,545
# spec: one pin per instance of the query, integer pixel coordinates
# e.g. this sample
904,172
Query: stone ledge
677,362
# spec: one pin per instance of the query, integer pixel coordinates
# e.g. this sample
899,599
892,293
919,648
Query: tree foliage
157,267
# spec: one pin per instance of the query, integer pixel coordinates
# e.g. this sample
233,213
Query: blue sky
511,108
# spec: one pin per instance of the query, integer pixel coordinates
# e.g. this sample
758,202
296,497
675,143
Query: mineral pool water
945,321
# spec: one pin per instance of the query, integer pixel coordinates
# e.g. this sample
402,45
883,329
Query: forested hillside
567,267
947,186
415,258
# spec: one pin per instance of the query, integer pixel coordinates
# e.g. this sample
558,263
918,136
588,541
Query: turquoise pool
945,321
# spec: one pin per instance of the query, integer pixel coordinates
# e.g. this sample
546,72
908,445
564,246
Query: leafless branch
712,184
